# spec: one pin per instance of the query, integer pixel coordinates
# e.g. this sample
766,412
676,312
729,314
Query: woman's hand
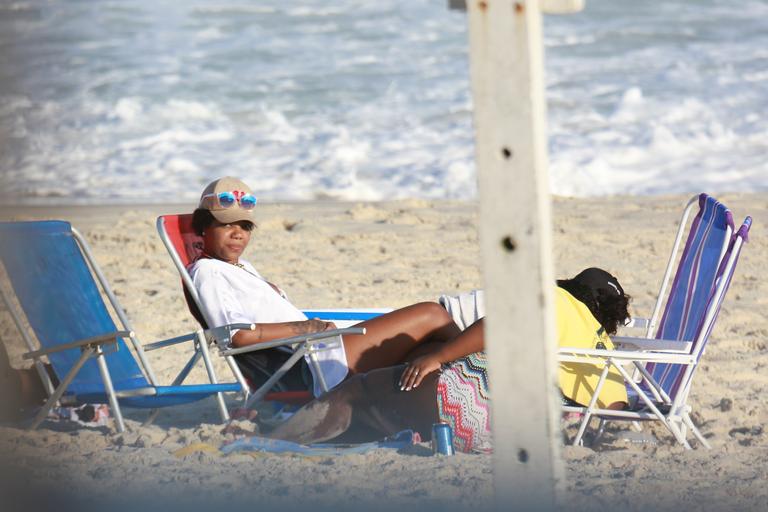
417,369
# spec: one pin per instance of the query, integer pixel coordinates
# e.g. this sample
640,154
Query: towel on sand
399,441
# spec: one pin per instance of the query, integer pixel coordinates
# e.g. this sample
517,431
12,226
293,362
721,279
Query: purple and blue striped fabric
701,267
743,234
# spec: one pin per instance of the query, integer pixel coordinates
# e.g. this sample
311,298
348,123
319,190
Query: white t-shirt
230,294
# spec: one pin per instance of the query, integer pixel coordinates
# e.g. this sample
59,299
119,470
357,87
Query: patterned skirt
463,402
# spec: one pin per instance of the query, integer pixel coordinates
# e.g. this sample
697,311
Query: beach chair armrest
311,339
650,344
102,339
638,323
585,355
222,335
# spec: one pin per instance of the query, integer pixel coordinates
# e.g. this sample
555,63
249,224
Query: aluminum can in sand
442,439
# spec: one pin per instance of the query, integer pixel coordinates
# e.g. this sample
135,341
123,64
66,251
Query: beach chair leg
655,410
154,413
54,398
43,374
239,376
105,377
264,389
203,348
318,371
672,426
696,432
676,430
600,431
182,376
578,440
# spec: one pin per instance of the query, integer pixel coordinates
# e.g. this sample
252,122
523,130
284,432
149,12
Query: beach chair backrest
693,288
57,292
188,244
180,239
725,275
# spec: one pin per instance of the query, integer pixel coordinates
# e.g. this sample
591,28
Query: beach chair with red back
185,247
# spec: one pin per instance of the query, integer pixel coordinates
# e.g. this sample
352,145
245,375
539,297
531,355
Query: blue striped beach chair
54,297
665,361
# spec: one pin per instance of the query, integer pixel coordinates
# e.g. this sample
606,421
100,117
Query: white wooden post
506,61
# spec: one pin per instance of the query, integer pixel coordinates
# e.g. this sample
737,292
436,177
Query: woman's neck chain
236,264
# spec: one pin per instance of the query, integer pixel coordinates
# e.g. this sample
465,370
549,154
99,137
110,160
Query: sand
330,254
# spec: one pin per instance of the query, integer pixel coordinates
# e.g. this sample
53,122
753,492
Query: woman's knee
433,312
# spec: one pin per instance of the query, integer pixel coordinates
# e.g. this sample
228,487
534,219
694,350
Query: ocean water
148,100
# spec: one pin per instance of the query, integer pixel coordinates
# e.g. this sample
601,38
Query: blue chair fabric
62,303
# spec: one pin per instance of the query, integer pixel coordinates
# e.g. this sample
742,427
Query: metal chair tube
87,353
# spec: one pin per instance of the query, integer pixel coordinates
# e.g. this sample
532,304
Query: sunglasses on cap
228,199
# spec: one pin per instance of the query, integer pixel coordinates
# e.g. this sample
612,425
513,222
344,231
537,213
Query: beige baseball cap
210,200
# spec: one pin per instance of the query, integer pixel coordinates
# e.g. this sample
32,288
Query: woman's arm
468,342
276,331
221,305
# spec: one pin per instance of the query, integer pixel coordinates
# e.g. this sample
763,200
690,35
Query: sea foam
366,100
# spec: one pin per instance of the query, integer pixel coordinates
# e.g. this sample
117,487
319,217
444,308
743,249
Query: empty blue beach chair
51,272
665,363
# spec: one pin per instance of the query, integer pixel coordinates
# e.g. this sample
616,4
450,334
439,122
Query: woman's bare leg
364,408
391,337
324,418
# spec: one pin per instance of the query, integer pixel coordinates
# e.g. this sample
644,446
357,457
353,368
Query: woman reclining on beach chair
450,384
232,291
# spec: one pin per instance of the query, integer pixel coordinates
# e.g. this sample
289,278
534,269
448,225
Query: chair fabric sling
56,290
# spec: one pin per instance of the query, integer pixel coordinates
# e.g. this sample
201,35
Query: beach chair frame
94,347
299,346
673,412
652,322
